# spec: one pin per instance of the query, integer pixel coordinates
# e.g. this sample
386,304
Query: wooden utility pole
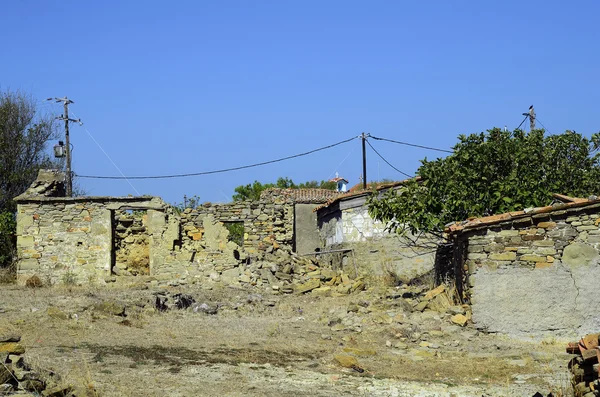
531,118
364,159
66,102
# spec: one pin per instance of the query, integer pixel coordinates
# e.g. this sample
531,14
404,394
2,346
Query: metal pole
531,118
364,158
69,176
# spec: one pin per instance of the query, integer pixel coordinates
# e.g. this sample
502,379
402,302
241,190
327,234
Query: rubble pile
584,367
18,377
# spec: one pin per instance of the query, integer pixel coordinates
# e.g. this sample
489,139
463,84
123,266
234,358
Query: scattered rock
12,348
434,292
34,282
110,308
459,319
347,361
456,310
308,286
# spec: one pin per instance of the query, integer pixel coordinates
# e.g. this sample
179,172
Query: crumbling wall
537,274
69,240
131,243
85,239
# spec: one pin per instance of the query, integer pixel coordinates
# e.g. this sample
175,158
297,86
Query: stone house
531,272
344,223
85,239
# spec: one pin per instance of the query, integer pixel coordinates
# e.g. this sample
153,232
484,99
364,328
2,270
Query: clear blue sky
190,86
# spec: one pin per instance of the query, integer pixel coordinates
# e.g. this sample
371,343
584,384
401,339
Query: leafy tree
490,173
253,191
24,134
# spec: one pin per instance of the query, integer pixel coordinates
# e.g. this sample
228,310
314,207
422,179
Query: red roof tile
566,202
301,196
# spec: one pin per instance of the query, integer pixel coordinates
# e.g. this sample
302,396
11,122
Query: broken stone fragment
12,348
459,319
346,361
308,286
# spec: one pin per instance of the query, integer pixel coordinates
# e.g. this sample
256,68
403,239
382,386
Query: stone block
579,254
25,241
508,233
543,243
503,256
533,258
546,225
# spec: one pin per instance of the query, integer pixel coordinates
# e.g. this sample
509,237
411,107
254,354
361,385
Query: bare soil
268,345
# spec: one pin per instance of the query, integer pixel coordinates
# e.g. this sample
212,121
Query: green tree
24,134
491,173
252,191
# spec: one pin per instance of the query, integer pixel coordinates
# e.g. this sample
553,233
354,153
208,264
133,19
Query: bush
8,227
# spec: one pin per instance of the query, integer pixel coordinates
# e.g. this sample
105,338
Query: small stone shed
533,272
344,223
89,239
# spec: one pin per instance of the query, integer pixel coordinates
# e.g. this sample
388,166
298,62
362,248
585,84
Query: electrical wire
538,120
107,156
388,163
221,170
342,162
411,144
526,117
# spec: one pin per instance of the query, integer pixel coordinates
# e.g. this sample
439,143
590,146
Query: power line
538,120
388,163
219,171
110,159
526,117
412,144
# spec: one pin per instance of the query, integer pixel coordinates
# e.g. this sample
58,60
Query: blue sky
192,86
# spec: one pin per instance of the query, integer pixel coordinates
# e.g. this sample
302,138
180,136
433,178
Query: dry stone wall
69,239
100,239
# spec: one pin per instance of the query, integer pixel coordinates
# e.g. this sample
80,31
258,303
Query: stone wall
69,238
100,239
537,273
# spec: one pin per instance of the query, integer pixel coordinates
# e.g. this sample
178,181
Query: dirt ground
111,341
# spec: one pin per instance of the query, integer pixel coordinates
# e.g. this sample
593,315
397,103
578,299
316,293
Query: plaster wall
537,276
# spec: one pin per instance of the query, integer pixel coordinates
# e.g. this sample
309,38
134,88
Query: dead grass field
250,348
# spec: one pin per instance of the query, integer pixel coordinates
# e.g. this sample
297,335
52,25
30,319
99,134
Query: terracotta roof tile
567,202
301,196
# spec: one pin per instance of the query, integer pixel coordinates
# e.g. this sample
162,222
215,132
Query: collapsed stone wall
536,274
95,239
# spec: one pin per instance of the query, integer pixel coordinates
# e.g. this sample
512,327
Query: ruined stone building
531,272
87,239
345,224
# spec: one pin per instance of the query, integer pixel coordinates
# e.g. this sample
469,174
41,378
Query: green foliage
24,134
490,173
253,191
236,232
8,227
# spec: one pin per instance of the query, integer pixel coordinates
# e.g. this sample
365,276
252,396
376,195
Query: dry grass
116,357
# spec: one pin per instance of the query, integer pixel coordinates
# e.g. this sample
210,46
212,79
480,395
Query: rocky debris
18,377
348,361
165,301
34,282
584,366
